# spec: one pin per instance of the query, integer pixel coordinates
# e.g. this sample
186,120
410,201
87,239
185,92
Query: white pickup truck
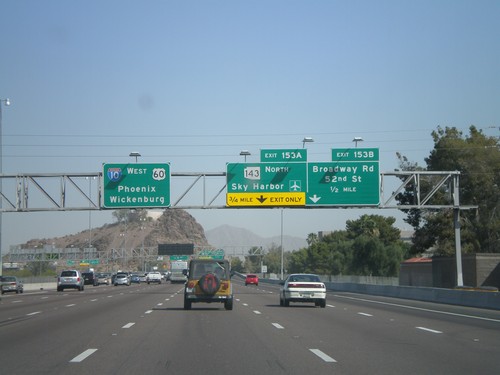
153,277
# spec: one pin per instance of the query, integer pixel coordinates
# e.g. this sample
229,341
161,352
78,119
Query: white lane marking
71,305
148,312
277,325
93,300
257,312
34,313
128,325
168,299
110,296
322,355
245,304
428,330
159,304
364,314
83,355
419,308
44,297
330,305
16,301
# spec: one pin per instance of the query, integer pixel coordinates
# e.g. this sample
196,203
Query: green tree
477,158
272,259
236,264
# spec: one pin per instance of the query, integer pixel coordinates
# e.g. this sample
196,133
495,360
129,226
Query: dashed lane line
322,355
82,356
428,330
364,314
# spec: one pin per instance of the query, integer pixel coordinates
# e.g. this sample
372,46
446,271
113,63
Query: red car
251,279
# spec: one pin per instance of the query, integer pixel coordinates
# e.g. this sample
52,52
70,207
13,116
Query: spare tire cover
209,283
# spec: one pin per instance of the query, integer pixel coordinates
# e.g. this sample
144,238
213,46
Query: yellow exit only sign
265,199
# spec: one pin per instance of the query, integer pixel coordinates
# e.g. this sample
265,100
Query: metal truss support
68,192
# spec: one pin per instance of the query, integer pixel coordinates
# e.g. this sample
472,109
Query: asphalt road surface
143,329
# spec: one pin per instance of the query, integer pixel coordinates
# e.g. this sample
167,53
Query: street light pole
245,153
7,103
282,250
356,140
135,154
306,140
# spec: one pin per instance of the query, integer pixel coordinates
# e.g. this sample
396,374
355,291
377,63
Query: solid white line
419,308
322,355
34,313
84,355
128,325
428,330
364,314
279,326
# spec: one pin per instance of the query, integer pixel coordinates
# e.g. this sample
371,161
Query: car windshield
8,278
200,269
304,278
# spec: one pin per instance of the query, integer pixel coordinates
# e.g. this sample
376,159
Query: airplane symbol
295,185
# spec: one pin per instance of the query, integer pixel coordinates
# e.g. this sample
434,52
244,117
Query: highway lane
122,330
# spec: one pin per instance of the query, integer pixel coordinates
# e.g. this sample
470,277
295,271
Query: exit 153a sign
285,155
136,185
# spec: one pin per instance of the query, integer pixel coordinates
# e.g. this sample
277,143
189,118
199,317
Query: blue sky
195,82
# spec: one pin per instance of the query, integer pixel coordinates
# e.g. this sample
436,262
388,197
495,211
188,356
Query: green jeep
209,280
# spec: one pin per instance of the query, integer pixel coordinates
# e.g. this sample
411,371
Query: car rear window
305,278
68,273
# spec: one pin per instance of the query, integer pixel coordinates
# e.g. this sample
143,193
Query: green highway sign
136,185
265,177
285,155
179,257
212,253
355,154
343,183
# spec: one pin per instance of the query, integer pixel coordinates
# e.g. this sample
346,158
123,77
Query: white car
303,287
153,277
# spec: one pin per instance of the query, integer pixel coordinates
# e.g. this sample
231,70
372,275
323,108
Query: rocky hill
173,226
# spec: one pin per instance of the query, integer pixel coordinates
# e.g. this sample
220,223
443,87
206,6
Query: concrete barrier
462,297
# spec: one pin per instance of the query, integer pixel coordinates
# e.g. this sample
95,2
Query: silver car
11,284
72,279
122,278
